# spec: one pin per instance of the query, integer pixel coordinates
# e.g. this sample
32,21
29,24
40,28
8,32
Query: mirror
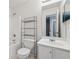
51,26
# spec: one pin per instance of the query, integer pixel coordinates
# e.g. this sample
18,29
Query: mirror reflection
51,26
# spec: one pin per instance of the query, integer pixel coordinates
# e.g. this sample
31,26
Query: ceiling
16,3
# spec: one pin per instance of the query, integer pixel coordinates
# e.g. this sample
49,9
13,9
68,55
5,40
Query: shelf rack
30,24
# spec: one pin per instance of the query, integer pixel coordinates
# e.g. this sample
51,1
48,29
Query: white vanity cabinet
45,52
60,54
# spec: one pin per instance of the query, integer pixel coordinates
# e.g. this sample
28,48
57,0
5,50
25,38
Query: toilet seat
24,52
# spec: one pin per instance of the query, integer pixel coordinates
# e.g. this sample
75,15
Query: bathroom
39,29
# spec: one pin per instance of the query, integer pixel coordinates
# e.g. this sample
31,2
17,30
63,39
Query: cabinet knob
50,52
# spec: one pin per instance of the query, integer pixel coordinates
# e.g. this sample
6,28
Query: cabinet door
60,54
44,52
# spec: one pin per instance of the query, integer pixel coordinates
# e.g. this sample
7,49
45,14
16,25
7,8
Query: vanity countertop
62,44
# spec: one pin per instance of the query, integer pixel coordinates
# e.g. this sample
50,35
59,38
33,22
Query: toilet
23,53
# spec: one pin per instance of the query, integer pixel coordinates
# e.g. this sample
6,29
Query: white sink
58,42
55,43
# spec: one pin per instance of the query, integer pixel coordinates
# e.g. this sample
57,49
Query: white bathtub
13,47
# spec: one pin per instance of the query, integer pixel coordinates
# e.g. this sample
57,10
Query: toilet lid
23,51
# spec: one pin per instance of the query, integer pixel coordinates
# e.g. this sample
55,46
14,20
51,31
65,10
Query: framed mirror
52,23
51,26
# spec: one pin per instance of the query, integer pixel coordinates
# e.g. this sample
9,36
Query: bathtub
13,47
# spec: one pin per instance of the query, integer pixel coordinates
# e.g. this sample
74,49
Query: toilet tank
28,43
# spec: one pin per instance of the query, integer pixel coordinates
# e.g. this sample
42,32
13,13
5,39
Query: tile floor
31,57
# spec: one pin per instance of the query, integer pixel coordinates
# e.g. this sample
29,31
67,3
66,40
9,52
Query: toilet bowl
23,53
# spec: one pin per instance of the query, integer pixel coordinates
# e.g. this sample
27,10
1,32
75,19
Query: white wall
67,30
31,8
14,27
10,25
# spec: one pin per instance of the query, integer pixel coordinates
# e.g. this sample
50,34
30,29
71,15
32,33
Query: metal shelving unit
30,24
